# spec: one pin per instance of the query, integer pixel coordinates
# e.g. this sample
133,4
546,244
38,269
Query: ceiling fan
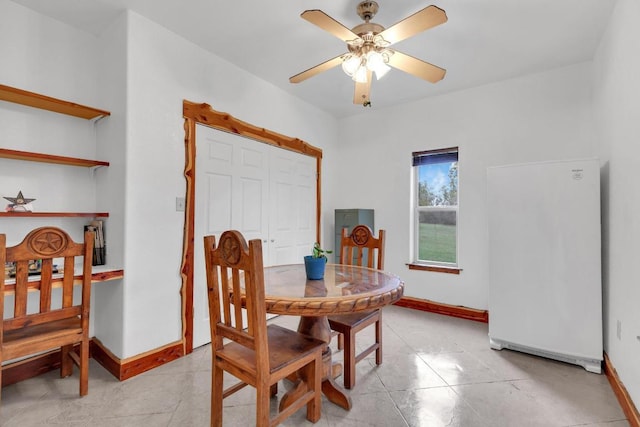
368,47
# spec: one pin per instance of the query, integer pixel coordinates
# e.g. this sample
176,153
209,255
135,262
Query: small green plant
318,252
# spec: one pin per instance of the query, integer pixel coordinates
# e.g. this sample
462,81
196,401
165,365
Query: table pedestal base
318,327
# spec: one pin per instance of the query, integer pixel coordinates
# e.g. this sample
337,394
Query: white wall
617,109
140,72
61,64
539,117
164,69
108,311
42,55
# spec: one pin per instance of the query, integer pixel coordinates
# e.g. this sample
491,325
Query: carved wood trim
316,306
186,269
446,309
203,114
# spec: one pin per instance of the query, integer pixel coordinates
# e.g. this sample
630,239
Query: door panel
218,216
292,216
261,190
231,193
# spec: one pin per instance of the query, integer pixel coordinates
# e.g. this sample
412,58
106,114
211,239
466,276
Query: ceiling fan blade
327,65
361,94
327,23
422,20
417,67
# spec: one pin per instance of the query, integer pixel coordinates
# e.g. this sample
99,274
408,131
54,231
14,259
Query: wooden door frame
203,114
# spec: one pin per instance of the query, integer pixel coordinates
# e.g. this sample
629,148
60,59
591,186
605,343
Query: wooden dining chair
354,248
57,321
256,354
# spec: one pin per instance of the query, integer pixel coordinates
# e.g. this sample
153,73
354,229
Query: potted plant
314,264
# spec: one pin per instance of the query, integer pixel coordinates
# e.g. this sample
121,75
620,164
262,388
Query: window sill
434,268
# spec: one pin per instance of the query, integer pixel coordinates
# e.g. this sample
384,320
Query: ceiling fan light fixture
381,71
360,76
377,62
350,64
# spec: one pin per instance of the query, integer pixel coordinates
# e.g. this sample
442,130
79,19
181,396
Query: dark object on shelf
99,246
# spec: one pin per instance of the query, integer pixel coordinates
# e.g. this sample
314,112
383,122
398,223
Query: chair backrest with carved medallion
235,279
362,248
36,254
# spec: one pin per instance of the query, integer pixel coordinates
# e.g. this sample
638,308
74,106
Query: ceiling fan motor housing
367,10
367,30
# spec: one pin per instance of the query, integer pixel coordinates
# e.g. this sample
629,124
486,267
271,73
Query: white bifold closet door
263,191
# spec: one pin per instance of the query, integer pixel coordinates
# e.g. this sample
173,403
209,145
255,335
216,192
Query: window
435,202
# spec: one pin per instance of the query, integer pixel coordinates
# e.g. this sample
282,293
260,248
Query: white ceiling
484,41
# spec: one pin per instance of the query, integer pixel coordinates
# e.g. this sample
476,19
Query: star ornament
49,243
19,199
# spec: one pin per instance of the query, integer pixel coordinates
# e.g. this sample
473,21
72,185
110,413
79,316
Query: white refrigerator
545,289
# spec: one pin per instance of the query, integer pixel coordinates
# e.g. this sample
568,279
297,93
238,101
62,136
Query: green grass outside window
437,243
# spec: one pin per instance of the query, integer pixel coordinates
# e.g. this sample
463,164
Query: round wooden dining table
344,289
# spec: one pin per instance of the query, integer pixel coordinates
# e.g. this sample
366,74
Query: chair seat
284,346
353,320
41,337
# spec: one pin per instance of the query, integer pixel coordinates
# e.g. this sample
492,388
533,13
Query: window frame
431,265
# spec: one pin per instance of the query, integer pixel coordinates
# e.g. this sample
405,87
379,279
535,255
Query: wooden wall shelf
55,214
100,274
49,158
31,99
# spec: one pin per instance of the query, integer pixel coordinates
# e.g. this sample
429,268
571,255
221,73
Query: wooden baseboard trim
104,357
151,359
124,369
29,368
621,393
449,310
121,369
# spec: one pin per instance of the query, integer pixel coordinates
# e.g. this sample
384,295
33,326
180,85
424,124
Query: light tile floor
437,371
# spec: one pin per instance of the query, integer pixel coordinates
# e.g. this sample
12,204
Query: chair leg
349,359
379,339
274,389
314,379
84,367
263,397
216,396
340,341
66,363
